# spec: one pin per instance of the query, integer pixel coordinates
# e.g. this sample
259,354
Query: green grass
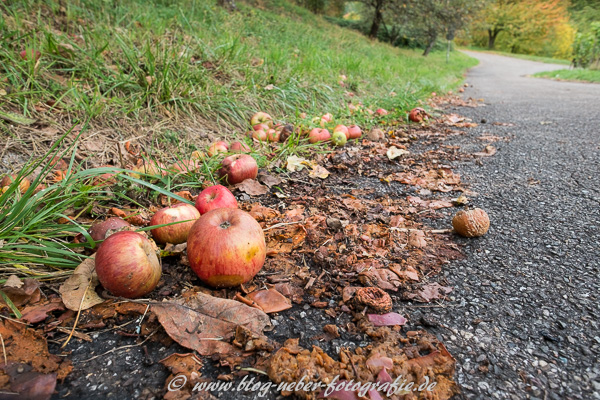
546,60
582,75
163,72
190,60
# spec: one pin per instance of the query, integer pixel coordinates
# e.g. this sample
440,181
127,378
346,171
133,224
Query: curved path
525,320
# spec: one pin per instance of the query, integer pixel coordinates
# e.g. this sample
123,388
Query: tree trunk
492,35
228,4
376,22
430,45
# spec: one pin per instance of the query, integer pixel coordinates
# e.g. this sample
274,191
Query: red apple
27,54
260,118
238,168
185,166
217,196
354,131
176,233
218,147
98,230
273,135
239,147
343,129
261,127
381,112
417,115
327,117
226,247
260,135
127,265
318,135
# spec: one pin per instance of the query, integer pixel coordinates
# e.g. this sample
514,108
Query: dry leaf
27,292
318,172
389,319
269,180
295,163
252,187
205,323
394,152
270,300
75,287
488,151
431,291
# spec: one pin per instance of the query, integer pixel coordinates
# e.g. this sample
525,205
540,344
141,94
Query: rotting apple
8,180
273,135
99,230
218,147
150,167
417,114
342,128
127,265
217,196
239,147
339,139
318,135
354,131
176,233
260,118
238,168
226,247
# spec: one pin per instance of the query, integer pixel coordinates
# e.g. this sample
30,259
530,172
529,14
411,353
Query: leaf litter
335,246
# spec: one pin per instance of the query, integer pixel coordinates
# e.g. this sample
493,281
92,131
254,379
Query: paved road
525,318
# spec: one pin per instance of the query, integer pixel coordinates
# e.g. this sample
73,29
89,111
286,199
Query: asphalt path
524,320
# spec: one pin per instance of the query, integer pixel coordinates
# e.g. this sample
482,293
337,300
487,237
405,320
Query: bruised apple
176,233
127,265
238,168
98,230
217,196
226,247
354,131
417,115
239,147
318,135
218,147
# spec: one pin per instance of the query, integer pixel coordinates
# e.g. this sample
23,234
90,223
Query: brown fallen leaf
28,384
318,172
417,239
182,364
269,180
431,291
270,300
205,323
74,288
252,187
39,312
21,292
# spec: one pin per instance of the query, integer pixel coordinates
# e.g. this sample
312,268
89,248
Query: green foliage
586,48
577,74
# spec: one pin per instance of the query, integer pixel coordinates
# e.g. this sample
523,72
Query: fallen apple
318,135
327,117
8,180
218,147
29,54
342,128
98,230
339,139
185,166
260,118
150,167
471,223
239,147
260,135
238,168
261,127
273,135
127,265
217,196
226,247
417,115
354,131
381,112
176,233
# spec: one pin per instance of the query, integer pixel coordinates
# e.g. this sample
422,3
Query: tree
378,6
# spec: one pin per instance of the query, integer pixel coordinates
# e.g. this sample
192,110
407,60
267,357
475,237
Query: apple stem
225,225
